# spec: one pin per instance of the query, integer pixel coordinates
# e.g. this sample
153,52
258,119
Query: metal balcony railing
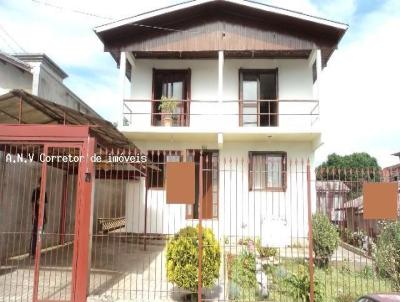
228,113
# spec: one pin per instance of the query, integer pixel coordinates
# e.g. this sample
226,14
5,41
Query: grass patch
339,282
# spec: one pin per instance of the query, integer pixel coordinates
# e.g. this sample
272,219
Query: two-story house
245,80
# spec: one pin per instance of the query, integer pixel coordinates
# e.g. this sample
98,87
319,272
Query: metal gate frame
63,136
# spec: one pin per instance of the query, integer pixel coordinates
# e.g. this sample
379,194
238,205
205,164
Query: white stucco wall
51,87
294,81
12,77
274,216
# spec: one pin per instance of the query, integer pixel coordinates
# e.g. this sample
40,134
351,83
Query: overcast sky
359,98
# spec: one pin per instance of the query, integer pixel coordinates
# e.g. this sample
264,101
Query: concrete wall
294,81
274,216
14,78
51,87
109,200
17,182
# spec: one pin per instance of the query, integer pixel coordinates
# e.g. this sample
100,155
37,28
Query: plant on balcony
183,259
167,107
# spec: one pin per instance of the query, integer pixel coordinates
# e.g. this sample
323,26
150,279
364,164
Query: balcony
228,115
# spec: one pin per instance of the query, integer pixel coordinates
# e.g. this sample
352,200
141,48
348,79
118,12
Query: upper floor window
258,97
175,85
267,171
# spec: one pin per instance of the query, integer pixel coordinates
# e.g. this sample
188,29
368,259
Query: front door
209,167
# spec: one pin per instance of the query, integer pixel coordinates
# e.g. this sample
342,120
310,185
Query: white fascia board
290,13
260,6
151,14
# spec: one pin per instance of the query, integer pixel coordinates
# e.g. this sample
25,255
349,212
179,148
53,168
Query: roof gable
230,25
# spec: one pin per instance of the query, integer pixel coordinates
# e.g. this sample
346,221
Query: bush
264,251
242,276
325,239
298,285
346,297
387,253
346,235
182,259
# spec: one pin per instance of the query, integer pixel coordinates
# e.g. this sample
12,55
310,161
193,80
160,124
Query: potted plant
167,107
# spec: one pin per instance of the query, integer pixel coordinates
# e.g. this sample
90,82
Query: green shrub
387,252
325,239
346,235
298,285
264,251
242,276
182,259
346,297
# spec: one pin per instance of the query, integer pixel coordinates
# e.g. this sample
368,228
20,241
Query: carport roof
21,107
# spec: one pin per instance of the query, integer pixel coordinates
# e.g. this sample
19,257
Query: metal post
200,233
81,254
310,241
40,227
64,207
145,211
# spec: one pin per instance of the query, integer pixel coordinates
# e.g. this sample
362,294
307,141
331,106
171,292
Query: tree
353,161
351,169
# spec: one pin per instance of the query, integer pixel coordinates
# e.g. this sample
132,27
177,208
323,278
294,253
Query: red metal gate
45,193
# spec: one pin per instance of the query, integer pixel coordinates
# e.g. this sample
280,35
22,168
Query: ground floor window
267,171
156,166
209,184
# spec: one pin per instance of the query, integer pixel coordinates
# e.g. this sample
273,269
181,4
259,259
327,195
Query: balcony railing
231,113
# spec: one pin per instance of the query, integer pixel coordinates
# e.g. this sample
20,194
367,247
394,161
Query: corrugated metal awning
20,107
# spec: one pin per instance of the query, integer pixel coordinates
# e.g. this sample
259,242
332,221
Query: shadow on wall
17,182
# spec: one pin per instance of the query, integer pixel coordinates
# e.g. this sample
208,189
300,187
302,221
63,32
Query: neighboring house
246,77
354,211
331,196
392,173
40,76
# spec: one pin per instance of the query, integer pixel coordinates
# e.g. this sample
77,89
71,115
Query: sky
359,99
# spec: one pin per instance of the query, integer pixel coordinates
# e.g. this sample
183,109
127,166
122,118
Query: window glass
274,171
156,167
267,170
267,86
249,90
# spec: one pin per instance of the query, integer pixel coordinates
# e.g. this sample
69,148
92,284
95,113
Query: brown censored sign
180,183
380,200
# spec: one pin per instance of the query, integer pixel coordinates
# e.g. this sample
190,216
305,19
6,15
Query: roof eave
247,3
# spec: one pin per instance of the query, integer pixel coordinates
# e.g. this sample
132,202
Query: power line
71,10
7,44
12,39
109,18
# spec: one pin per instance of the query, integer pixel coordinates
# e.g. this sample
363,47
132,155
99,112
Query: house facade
41,76
244,80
